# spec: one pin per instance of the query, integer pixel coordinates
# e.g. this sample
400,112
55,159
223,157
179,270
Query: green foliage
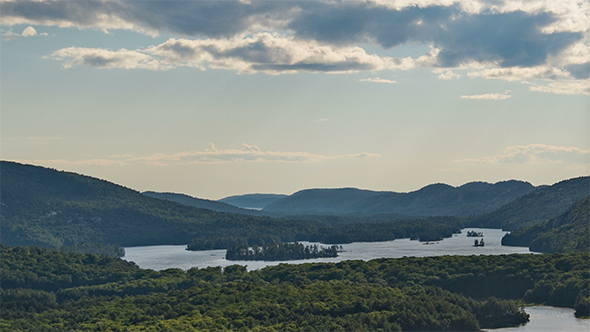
568,232
279,252
48,290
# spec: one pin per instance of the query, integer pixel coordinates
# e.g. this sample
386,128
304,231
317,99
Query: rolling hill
199,202
537,206
252,201
434,200
569,232
46,207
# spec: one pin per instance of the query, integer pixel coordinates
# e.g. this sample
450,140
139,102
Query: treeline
47,290
279,252
427,229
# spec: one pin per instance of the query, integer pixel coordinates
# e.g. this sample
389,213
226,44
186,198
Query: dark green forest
540,205
45,290
568,232
280,252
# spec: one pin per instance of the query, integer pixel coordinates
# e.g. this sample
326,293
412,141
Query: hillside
42,206
50,208
252,201
538,206
199,202
433,200
569,232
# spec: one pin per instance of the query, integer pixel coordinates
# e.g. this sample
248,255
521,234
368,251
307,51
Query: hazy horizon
221,98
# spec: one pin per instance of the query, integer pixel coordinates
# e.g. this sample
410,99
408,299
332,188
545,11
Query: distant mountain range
434,200
252,201
200,203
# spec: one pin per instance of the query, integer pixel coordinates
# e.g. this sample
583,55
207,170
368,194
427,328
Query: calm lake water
164,257
543,318
550,319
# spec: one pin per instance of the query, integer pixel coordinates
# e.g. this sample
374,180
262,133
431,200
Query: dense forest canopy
46,290
566,233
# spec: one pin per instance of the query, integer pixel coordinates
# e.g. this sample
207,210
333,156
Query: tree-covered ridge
568,232
280,252
433,200
200,203
540,205
428,229
48,290
45,207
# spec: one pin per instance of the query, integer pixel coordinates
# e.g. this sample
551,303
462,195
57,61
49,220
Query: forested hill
437,199
200,203
568,232
45,207
538,206
42,206
252,201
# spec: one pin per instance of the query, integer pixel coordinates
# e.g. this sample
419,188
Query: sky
219,98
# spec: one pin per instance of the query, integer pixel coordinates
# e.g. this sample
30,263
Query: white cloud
29,31
565,88
537,154
211,155
321,120
264,52
378,80
446,74
101,58
490,96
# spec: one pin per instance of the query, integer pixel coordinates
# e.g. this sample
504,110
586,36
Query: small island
479,244
474,234
280,252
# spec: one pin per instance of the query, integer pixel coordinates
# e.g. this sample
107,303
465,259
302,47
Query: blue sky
216,98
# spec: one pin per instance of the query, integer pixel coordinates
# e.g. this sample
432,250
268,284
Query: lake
164,257
550,319
543,318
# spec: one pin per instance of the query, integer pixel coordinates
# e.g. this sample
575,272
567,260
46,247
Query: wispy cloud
211,155
537,154
446,75
321,120
489,96
378,80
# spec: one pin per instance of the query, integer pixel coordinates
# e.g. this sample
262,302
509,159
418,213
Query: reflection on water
163,257
550,319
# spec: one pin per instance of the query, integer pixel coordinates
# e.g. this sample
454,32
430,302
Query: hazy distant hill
568,232
540,205
252,201
433,200
199,202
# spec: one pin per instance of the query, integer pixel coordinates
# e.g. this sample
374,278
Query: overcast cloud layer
546,41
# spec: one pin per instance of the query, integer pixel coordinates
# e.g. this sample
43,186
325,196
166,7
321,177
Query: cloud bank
496,39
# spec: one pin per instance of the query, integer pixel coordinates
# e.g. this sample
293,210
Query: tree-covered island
280,252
